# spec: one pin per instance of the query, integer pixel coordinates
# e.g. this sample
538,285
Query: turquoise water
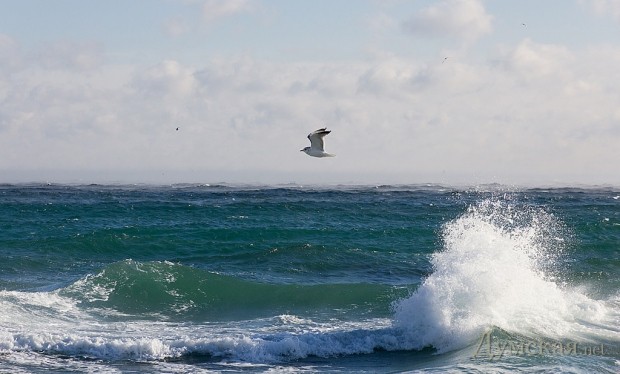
193,278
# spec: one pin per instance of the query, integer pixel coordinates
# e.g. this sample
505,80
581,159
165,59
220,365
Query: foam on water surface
498,268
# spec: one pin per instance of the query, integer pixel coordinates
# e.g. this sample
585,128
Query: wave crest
178,292
497,269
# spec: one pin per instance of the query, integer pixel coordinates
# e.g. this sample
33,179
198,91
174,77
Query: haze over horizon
446,91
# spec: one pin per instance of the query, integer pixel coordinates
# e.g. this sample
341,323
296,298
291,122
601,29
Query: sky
520,92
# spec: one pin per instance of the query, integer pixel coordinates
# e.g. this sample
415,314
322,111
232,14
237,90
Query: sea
200,278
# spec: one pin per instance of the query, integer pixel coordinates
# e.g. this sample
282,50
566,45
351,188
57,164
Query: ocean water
377,279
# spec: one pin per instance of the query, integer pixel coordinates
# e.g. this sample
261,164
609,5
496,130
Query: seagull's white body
317,145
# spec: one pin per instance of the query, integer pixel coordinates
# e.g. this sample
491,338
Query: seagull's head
307,149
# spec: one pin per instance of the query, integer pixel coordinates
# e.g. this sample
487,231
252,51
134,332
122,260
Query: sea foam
498,269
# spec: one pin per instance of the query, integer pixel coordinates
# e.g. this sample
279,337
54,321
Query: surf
500,268
177,292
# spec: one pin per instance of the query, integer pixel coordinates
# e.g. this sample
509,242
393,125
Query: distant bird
317,145
177,129
444,60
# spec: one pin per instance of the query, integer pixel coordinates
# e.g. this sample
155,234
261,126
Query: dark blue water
329,279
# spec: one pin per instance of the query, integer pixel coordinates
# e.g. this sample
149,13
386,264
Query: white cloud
545,112
458,19
532,109
381,22
57,55
604,7
167,78
10,54
215,9
534,60
391,76
176,27
70,55
210,11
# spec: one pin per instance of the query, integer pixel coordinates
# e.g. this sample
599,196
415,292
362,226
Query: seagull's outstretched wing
316,139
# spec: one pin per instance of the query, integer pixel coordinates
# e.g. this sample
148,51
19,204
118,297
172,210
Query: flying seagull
316,148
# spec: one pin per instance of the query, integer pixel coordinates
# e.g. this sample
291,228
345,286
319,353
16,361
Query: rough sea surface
378,279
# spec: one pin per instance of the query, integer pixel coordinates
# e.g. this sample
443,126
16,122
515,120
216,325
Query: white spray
495,271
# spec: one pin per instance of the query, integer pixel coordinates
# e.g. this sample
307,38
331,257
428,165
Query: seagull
316,148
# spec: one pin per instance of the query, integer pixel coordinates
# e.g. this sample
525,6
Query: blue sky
93,91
